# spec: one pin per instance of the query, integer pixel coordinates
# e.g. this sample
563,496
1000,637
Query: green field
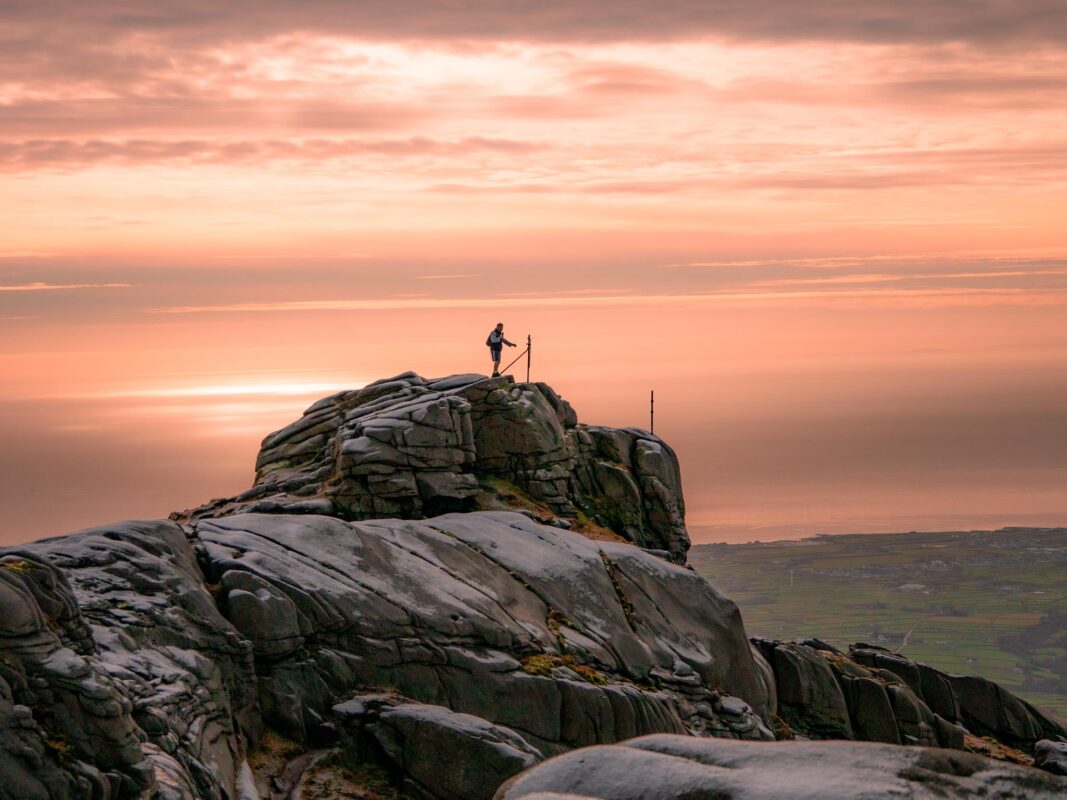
979,603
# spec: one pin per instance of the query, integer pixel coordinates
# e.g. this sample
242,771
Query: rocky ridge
446,647
412,448
875,695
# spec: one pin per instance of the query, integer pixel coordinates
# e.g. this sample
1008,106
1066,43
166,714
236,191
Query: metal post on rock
652,411
529,347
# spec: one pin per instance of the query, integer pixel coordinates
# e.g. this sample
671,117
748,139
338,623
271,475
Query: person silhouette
495,343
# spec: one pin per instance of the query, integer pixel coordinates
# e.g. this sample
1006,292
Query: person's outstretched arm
505,341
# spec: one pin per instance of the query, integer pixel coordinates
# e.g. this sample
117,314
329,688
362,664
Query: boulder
809,698
976,704
680,768
874,695
436,753
1051,756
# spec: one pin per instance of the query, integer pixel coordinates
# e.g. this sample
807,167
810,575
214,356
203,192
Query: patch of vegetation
269,759
498,494
17,566
591,674
991,748
555,621
591,530
992,604
333,777
60,748
543,663
780,728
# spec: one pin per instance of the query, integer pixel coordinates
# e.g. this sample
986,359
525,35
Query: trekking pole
529,350
509,366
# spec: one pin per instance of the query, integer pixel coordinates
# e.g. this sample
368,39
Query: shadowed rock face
413,448
680,768
120,663
875,695
148,654
440,753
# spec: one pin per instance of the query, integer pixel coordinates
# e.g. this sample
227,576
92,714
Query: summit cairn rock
413,448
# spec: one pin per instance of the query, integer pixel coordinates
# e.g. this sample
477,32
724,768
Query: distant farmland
989,603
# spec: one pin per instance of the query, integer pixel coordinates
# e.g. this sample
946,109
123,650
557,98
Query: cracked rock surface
142,658
875,695
413,448
566,640
115,656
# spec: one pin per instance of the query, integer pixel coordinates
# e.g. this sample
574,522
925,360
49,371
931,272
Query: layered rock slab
439,754
116,653
142,656
681,768
565,640
413,448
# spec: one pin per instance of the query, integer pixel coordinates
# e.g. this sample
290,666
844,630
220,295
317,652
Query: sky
832,238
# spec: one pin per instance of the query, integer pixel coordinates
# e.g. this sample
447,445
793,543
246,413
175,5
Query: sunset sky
831,235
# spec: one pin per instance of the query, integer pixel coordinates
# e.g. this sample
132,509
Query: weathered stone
416,448
809,696
988,710
437,608
162,671
681,768
872,715
146,657
441,754
1051,756
261,613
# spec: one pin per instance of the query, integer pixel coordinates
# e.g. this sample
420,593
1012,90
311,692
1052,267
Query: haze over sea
829,236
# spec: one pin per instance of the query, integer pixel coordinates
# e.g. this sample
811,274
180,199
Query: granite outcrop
872,694
413,448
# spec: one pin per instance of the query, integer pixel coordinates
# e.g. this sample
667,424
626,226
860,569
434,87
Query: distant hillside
992,603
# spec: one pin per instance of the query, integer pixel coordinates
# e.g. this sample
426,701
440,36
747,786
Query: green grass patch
989,604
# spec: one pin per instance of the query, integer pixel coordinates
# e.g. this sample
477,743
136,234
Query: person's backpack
489,338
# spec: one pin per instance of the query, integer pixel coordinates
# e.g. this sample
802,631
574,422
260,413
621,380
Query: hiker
496,342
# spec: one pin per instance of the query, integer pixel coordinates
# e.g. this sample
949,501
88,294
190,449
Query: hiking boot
496,374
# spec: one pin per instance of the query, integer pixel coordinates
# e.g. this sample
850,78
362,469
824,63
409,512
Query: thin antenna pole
652,411
529,348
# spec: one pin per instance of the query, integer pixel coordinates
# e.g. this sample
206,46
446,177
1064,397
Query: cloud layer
835,214
982,21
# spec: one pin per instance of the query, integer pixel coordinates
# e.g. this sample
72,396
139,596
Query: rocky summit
413,448
452,590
